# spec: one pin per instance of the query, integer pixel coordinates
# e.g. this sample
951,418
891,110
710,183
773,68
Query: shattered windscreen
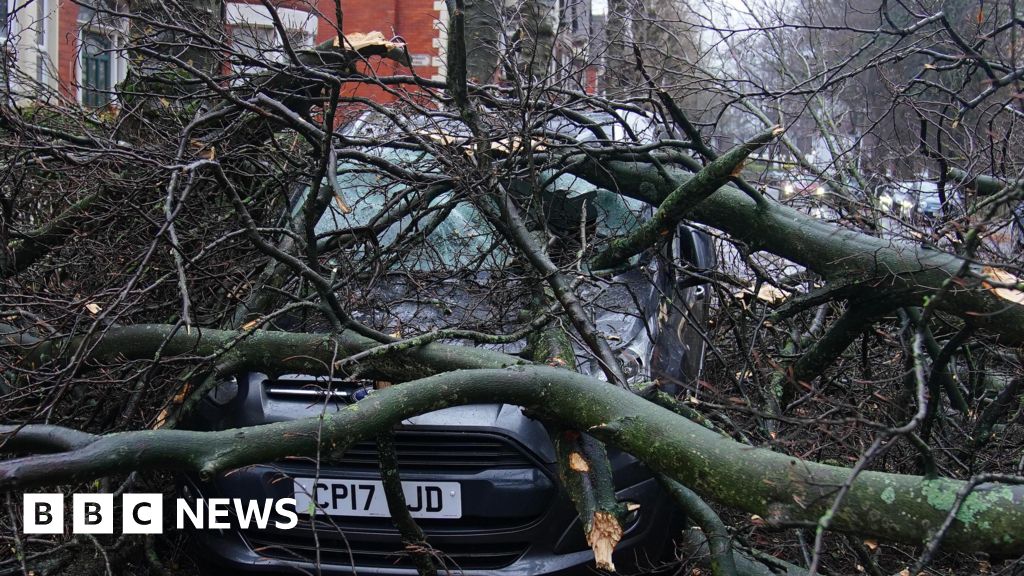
453,233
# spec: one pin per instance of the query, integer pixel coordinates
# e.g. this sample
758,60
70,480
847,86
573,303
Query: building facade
74,50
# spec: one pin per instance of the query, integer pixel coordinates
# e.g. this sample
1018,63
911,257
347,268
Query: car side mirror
693,251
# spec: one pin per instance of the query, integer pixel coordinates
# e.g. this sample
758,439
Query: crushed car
480,480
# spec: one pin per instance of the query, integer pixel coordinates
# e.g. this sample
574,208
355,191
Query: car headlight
787,189
820,190
633,366
634,360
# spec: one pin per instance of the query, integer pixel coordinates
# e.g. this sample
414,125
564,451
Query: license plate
340,497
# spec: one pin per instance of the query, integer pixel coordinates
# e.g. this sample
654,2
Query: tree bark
258,350
905,272
680,201
415,541
780,488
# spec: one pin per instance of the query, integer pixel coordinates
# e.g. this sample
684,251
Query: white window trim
22,41
253,15
43,48
7,36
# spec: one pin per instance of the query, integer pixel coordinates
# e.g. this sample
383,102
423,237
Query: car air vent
307,388
439,450
334,549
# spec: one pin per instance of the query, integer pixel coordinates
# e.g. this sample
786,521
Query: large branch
258,350
982,184
904,271
584,471
680,201
780,488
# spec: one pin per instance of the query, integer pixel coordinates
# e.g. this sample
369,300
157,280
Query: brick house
74,49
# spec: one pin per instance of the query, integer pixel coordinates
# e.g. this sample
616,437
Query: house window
40,22
8,51
262,42
254,37
5,19
97,69
101,61
256,42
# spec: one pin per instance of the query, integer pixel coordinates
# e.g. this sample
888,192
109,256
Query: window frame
9,31
42,43
114,34
103,56
252,16
9,19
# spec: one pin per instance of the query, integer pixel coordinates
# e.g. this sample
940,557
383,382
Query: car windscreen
455,234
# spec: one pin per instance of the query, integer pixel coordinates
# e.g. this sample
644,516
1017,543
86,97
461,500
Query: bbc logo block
142,514
44,513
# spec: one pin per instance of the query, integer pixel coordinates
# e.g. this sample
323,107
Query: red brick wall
413,20
67,27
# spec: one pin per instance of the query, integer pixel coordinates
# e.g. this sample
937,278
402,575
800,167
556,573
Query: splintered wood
605,532
375,44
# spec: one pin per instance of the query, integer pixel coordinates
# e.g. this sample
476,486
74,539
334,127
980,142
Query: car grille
468,452
471,543
338,551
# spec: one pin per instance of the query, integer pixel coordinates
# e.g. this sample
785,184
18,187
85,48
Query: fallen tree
782,489
853,263
194,252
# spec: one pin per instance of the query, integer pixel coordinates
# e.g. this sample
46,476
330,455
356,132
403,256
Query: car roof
623,126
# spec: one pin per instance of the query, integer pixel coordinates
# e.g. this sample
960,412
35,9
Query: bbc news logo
144,513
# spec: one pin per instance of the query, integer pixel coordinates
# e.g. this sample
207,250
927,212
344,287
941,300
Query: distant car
802,186
924,194
912,198
929,204
899,198
480,479
804,193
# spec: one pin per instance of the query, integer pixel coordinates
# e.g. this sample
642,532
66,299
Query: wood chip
578,463
202,150
766,293
161,418
1003,277
342,206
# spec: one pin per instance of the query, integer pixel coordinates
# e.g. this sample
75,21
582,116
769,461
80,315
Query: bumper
551,543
